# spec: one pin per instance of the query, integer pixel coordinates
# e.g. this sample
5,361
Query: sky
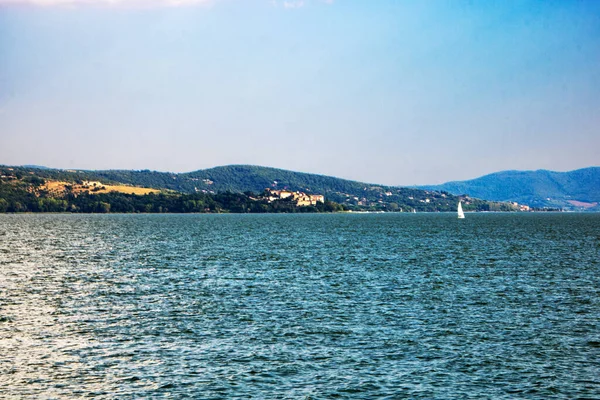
382,91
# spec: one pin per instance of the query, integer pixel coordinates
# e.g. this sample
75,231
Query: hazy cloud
291,4
107,2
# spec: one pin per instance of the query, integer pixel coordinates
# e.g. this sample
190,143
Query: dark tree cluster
16,198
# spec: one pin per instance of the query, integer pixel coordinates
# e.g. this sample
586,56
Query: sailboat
461,214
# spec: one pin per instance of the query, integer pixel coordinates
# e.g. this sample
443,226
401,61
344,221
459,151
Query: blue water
300,306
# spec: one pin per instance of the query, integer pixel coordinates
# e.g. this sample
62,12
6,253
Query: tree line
17,199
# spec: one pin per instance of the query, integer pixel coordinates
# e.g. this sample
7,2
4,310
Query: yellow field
96,187
127,189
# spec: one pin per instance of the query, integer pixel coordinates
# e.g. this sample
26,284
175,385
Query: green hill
247,178
574,189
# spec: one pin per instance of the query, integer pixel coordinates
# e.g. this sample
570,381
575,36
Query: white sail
461,214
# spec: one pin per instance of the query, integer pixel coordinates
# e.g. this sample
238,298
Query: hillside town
301,199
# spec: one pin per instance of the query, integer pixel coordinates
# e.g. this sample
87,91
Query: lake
300,306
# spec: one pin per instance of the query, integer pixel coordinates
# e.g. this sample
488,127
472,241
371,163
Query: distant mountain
579,189
248,178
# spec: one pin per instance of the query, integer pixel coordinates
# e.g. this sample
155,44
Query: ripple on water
300,306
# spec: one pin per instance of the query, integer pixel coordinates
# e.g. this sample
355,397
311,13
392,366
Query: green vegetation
222,189
535,188
19,198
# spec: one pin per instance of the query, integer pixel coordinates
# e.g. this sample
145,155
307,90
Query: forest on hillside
222,189
16,198
535,188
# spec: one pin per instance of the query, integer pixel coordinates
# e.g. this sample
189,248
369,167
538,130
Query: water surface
300,306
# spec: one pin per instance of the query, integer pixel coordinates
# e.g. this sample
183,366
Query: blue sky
392,92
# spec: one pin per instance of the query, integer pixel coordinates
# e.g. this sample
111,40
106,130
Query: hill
243,178
578,189
247,178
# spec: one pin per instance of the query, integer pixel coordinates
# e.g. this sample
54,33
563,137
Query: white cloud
293,4
107,2
288,4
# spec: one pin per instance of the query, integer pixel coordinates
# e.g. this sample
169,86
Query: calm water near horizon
300,306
